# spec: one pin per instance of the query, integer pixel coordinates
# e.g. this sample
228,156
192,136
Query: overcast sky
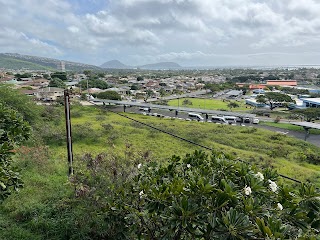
189,32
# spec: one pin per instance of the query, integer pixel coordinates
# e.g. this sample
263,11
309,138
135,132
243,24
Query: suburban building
311,102
49,93
282,82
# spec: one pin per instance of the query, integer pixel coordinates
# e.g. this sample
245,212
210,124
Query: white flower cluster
188,165
273,186
247,190
141,193
279,206
259,175
139,165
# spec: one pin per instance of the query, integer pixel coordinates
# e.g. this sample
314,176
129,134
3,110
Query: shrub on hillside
195,197
13,131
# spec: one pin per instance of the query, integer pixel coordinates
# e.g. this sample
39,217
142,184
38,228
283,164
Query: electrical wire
186,140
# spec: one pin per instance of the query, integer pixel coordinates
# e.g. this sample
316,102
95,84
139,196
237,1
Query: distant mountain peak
114,64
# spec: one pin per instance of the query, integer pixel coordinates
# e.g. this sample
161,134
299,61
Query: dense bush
197,197
13,131
112,95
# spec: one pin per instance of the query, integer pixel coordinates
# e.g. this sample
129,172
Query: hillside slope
18,61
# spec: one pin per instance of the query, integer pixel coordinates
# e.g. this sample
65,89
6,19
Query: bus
220,120
195,116
231,119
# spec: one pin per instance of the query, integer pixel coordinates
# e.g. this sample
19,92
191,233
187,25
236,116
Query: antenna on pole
68,130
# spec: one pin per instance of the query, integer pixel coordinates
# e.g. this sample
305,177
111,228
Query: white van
220,120
195,116
231,119
255,121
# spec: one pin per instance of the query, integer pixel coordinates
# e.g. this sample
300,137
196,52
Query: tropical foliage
195,197
13,130
274,99
308,114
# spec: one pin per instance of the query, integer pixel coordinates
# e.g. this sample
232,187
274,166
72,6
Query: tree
87,72
308,114
232,105
57,82
162,92
139,78
134,87
60,75
111,95
13,131
272,98
93,83
11,98
186,102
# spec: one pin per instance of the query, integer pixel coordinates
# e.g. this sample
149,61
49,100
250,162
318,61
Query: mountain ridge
116,64
18,61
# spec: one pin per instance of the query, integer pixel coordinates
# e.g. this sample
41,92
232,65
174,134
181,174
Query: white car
255,121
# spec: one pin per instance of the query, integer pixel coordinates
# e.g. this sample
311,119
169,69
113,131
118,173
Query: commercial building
311,102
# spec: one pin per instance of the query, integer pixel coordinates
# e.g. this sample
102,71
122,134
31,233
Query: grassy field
211,104
25,215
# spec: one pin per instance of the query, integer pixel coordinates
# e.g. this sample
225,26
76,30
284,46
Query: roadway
312,138
154,107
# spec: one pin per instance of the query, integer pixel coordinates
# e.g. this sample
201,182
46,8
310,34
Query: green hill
11,63
50,207
19,61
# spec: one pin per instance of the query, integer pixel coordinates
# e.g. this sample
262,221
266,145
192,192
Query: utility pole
68,130
88,95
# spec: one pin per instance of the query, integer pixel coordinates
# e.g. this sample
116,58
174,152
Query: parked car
246,120
255,121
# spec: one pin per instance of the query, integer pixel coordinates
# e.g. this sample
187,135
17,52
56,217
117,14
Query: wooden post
68,130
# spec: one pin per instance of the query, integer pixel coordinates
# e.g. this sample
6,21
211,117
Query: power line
187,140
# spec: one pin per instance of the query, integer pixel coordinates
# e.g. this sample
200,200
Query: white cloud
185,30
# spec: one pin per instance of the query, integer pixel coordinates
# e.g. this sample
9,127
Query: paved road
313,139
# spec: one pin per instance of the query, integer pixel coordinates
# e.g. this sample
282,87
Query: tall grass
44,209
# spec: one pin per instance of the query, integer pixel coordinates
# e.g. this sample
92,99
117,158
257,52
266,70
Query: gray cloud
141,31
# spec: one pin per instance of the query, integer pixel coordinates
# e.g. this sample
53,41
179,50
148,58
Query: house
41,82
49,94
28,92
152,85
121,91
234,94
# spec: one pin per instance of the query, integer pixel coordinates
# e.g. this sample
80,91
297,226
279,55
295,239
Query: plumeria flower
247,190
188,165
259,175
273,186
139,165
279,206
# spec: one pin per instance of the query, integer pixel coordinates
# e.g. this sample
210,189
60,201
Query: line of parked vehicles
232,120
222,119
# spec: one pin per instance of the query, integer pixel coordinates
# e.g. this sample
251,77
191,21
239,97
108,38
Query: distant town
302,84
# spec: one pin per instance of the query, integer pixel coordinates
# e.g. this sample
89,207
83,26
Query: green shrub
196,197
